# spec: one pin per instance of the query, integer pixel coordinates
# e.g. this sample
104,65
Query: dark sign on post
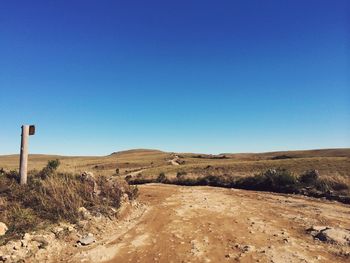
31,129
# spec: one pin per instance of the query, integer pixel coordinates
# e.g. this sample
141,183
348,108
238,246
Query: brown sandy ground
207,224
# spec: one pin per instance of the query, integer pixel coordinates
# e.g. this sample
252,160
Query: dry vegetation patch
278,180
50,197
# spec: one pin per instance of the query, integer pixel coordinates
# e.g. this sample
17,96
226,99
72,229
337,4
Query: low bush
309,177
50,168
161,178
57,197
273,180
180,174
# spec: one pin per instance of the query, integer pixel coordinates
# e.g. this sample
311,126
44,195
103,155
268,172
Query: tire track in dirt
206,224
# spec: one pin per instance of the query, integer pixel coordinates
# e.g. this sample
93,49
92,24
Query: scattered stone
84,213
87,240
67,227
230,255
58,231
42,241
27,236
248,248
3,228
15,245
4,258
245,248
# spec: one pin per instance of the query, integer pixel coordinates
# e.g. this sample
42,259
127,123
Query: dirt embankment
205,224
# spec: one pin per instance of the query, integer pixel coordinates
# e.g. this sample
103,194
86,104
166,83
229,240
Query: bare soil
207,224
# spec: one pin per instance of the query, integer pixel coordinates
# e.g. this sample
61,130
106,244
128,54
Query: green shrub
53,164
277,180
50,168
309,177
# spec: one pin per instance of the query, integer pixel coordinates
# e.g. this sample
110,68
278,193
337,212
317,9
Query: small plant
309,177
13,175
133,192
21,219
180,174
277,180
161,178
117,171
53,164
50,168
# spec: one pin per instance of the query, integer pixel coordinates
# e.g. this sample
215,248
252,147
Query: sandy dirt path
207,224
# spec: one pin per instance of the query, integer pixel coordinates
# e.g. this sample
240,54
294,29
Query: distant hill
137,151
340,152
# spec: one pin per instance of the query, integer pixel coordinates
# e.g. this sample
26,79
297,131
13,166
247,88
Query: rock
4,258
89,178
230,255
57,230
3,228
27,236
67,227
245,248
85,214
42,241
87,175
13,245
316,228
248,248
87,240
334,235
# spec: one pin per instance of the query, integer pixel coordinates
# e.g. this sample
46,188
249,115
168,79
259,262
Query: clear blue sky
192,76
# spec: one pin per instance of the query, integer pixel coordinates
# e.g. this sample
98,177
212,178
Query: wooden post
23,163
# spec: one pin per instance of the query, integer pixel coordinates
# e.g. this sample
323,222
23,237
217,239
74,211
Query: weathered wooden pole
23,163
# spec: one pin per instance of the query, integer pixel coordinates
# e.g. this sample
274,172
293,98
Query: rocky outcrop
29,245
332,235
87,240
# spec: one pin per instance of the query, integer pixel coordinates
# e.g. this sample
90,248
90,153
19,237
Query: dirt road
206,224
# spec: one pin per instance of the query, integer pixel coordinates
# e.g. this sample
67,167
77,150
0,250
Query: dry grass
332,164
274,180
57,197
102,165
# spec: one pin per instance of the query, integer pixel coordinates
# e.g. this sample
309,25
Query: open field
176,223
334,163
328,161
